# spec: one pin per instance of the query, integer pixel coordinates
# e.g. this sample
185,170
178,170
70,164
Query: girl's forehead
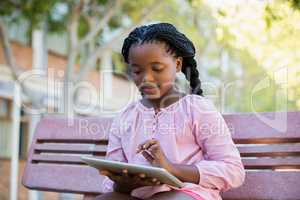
145,51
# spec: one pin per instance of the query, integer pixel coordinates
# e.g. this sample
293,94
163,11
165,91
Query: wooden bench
271,156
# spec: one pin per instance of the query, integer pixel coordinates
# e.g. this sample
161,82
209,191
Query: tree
84,22
259,46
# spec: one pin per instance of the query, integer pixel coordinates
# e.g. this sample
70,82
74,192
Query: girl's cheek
137,79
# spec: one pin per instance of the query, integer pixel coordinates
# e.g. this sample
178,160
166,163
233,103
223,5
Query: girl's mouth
149,90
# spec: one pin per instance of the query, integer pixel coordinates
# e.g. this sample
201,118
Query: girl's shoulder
200,104
126,110
197,100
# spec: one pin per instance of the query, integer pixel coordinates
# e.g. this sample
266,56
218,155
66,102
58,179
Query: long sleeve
114,151
222,168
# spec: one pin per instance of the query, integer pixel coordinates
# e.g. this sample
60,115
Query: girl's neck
167,99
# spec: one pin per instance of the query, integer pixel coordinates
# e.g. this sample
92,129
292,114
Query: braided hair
177,43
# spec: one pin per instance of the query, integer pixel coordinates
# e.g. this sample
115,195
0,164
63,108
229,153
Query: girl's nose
148,77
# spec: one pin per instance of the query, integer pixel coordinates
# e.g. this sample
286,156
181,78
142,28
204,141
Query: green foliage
118,63
259,37
6,7
83,27
271,16
295,4
34,11
273,45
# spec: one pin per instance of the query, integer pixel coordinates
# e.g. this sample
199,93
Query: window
5,109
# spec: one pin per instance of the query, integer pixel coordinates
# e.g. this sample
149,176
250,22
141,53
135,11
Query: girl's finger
125,173
153,149
142,175
139,148
136,179
115,178
151,181
147,155
146,183
104,172
148,144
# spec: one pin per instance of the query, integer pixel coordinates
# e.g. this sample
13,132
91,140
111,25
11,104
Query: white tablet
154,172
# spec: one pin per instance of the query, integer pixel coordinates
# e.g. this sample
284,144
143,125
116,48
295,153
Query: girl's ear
179,64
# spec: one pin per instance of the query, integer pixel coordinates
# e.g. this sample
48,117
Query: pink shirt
191,131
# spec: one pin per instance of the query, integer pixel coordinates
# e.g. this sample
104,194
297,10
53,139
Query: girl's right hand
130,180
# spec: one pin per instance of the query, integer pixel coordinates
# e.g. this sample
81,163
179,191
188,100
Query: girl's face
153,68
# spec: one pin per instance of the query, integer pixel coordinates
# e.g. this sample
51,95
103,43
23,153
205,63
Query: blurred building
45,85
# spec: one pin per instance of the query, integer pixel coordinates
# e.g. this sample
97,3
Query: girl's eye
136,72
157,69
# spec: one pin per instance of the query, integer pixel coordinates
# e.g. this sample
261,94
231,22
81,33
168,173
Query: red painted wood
54,158
64,178
65,172
59,158
89,197
271,150
267,185
70,148
249,128
83,130
265,162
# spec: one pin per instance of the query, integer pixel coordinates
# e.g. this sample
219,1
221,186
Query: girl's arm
114,152
186,173
222,167
153,152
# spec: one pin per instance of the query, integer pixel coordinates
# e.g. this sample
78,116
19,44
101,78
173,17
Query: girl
182,133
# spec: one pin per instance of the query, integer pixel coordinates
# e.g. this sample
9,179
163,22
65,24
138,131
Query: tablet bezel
154,172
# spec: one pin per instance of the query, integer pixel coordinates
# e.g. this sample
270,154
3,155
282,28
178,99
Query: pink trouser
191,193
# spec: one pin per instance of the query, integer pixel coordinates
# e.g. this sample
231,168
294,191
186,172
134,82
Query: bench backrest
54,162
270,155
269,144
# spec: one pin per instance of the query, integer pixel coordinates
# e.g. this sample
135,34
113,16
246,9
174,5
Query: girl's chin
151,96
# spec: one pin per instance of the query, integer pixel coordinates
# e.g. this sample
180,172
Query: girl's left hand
153,152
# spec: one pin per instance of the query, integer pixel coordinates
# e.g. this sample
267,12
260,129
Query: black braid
177,43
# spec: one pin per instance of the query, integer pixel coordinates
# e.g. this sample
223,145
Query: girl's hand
153,152
131,181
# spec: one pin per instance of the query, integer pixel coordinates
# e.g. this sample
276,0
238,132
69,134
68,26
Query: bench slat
86,148
63,178
266,163
267,185
264,127
270,150
59,158
81,129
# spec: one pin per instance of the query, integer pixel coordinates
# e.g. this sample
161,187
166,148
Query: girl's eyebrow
134,65
157,62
